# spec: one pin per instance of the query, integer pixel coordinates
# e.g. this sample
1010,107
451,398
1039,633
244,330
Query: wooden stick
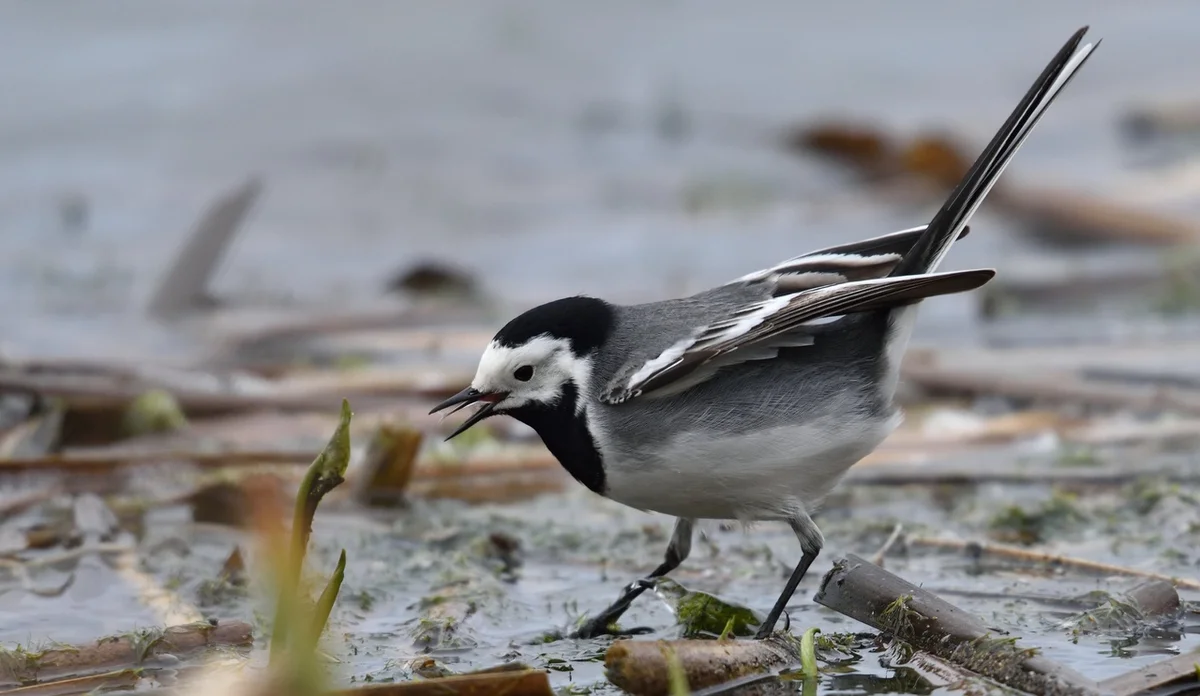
1051,387
945,676
1155,598
1181,669
978,550
183,286
886,602
1073,215
428,470
127,678
514,478
877,559
105,463
413,325
938,162
119,652
106,393
527,682
640,667
967,475
387,467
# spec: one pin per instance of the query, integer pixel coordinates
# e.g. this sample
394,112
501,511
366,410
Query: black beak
465,398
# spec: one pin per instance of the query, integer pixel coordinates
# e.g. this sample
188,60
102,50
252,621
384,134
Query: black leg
811,543
793,582
677,552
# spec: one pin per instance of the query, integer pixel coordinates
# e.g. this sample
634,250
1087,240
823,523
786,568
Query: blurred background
631,150
250,209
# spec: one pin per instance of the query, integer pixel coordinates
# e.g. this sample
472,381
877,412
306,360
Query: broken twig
886,602
117,652
877,559
1180,669
96,683
183,286
526,682
1051,387
640,667
387,466
979,550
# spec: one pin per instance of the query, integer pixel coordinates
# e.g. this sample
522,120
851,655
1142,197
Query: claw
787,626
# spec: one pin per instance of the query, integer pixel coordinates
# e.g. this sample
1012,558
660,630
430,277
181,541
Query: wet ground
473,586
559,578
630,151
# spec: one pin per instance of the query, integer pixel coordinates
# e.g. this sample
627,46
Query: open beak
465,398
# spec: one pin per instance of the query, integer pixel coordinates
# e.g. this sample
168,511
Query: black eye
524,373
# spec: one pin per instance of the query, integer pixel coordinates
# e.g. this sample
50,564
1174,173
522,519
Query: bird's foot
605,623
765,631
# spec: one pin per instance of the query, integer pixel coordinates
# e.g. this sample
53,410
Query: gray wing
757,330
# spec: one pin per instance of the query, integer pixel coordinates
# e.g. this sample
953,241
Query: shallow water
519,140
401,562
525,142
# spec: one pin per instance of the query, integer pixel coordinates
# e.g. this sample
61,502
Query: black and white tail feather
890,273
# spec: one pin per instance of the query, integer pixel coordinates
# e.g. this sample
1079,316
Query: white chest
761,475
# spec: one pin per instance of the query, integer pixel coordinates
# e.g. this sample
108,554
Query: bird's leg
811,542
677,552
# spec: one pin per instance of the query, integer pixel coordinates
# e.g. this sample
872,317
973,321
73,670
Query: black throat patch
566,435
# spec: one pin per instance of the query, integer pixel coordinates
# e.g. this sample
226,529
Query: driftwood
497,481
500,682
944,675
387,466
877,559
1180,669
886,602
183,287
1154,603
475,480
642,667
107,388
105,464
481,479
1155,598
1051,387
970,475
118,652
1073,216
268,345
106,395
509,679
938,163
96,683
979,550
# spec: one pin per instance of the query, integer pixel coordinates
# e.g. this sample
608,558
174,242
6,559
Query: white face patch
553,366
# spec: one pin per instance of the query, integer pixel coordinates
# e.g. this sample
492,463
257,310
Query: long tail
945,227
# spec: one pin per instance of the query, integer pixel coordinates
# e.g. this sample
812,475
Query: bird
748,401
